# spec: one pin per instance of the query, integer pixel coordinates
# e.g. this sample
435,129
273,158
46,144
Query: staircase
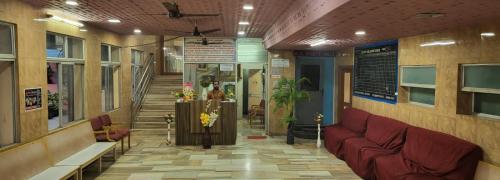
158,102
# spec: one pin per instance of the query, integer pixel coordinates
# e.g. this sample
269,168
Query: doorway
319,70
344,99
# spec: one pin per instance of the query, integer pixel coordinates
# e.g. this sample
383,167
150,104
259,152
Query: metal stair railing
146,75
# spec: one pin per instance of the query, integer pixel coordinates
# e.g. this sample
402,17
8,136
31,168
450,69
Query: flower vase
207,139
204,94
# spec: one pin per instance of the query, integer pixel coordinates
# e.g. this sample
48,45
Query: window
421,83
483,81
137,58
110,77
65,76
7,85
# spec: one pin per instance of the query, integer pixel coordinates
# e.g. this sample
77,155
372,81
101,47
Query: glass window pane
53,95
67,94
55,46
115,54
487,103
423,75
75,48
422,95
482,76
7,125
110,88
79,92
6,46
116,87
104,53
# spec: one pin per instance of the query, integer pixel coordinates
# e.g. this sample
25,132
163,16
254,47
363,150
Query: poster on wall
277,66
32,98
217,50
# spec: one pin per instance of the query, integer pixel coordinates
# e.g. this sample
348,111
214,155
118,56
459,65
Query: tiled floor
271,158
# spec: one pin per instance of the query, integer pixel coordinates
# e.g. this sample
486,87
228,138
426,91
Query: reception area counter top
189,130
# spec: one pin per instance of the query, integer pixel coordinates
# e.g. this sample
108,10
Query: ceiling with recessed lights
286,24
131,14
380,19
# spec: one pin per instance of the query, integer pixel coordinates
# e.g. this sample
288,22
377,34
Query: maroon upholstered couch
384,136
393,150
428,154
352,124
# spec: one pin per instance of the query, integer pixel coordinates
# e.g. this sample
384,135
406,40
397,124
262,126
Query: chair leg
123,152
129,142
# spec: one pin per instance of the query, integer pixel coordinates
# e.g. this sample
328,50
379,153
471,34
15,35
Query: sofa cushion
335,136
386,132
114,136
359,154
391,167
354,119
434,153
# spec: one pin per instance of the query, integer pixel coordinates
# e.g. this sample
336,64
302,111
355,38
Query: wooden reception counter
188,129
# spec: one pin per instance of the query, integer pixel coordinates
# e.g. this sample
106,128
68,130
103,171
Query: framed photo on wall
32,99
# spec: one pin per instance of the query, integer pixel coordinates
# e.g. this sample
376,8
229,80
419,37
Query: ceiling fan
196,31
175,13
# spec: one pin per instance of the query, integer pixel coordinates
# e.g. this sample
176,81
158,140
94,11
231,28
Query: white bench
59,155
88,155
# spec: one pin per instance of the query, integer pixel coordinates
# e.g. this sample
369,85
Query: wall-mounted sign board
32,99
217,50
226,67
375,71
283,63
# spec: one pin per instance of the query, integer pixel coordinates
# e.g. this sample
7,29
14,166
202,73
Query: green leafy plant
286,94
53,104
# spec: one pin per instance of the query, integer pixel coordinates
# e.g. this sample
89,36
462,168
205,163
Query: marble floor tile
270,158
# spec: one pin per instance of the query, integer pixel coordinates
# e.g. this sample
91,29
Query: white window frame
12,58
68,61
111,63
412,85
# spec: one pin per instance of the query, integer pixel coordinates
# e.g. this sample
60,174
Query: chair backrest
262,104
106,120
24,161
67,142
435,152
354,119
386,132
96,123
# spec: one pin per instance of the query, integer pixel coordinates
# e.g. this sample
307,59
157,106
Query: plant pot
289,135
206,139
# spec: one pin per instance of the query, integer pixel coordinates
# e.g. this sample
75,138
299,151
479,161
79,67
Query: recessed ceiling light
83,30
319,42
164,48
430,15
487,34
241,32
438,43
248,7
137,31
360,33
114,21
243,23
72,3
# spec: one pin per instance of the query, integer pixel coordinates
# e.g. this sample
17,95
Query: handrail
146,75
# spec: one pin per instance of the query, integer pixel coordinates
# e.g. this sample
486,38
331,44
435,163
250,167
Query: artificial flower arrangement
188,93
230,95
208,119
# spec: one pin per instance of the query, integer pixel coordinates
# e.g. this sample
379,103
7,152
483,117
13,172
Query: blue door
320,71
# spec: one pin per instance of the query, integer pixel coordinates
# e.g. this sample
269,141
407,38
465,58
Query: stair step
158,107
155,113
150,119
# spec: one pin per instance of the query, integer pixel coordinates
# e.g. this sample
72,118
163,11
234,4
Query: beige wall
470,48
276,126
31,65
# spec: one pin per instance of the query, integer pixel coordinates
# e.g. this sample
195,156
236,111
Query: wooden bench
59,155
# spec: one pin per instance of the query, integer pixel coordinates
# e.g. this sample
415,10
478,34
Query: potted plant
286,94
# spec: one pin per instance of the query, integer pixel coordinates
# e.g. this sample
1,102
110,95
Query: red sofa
384,136
393,150
352,124
428,154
